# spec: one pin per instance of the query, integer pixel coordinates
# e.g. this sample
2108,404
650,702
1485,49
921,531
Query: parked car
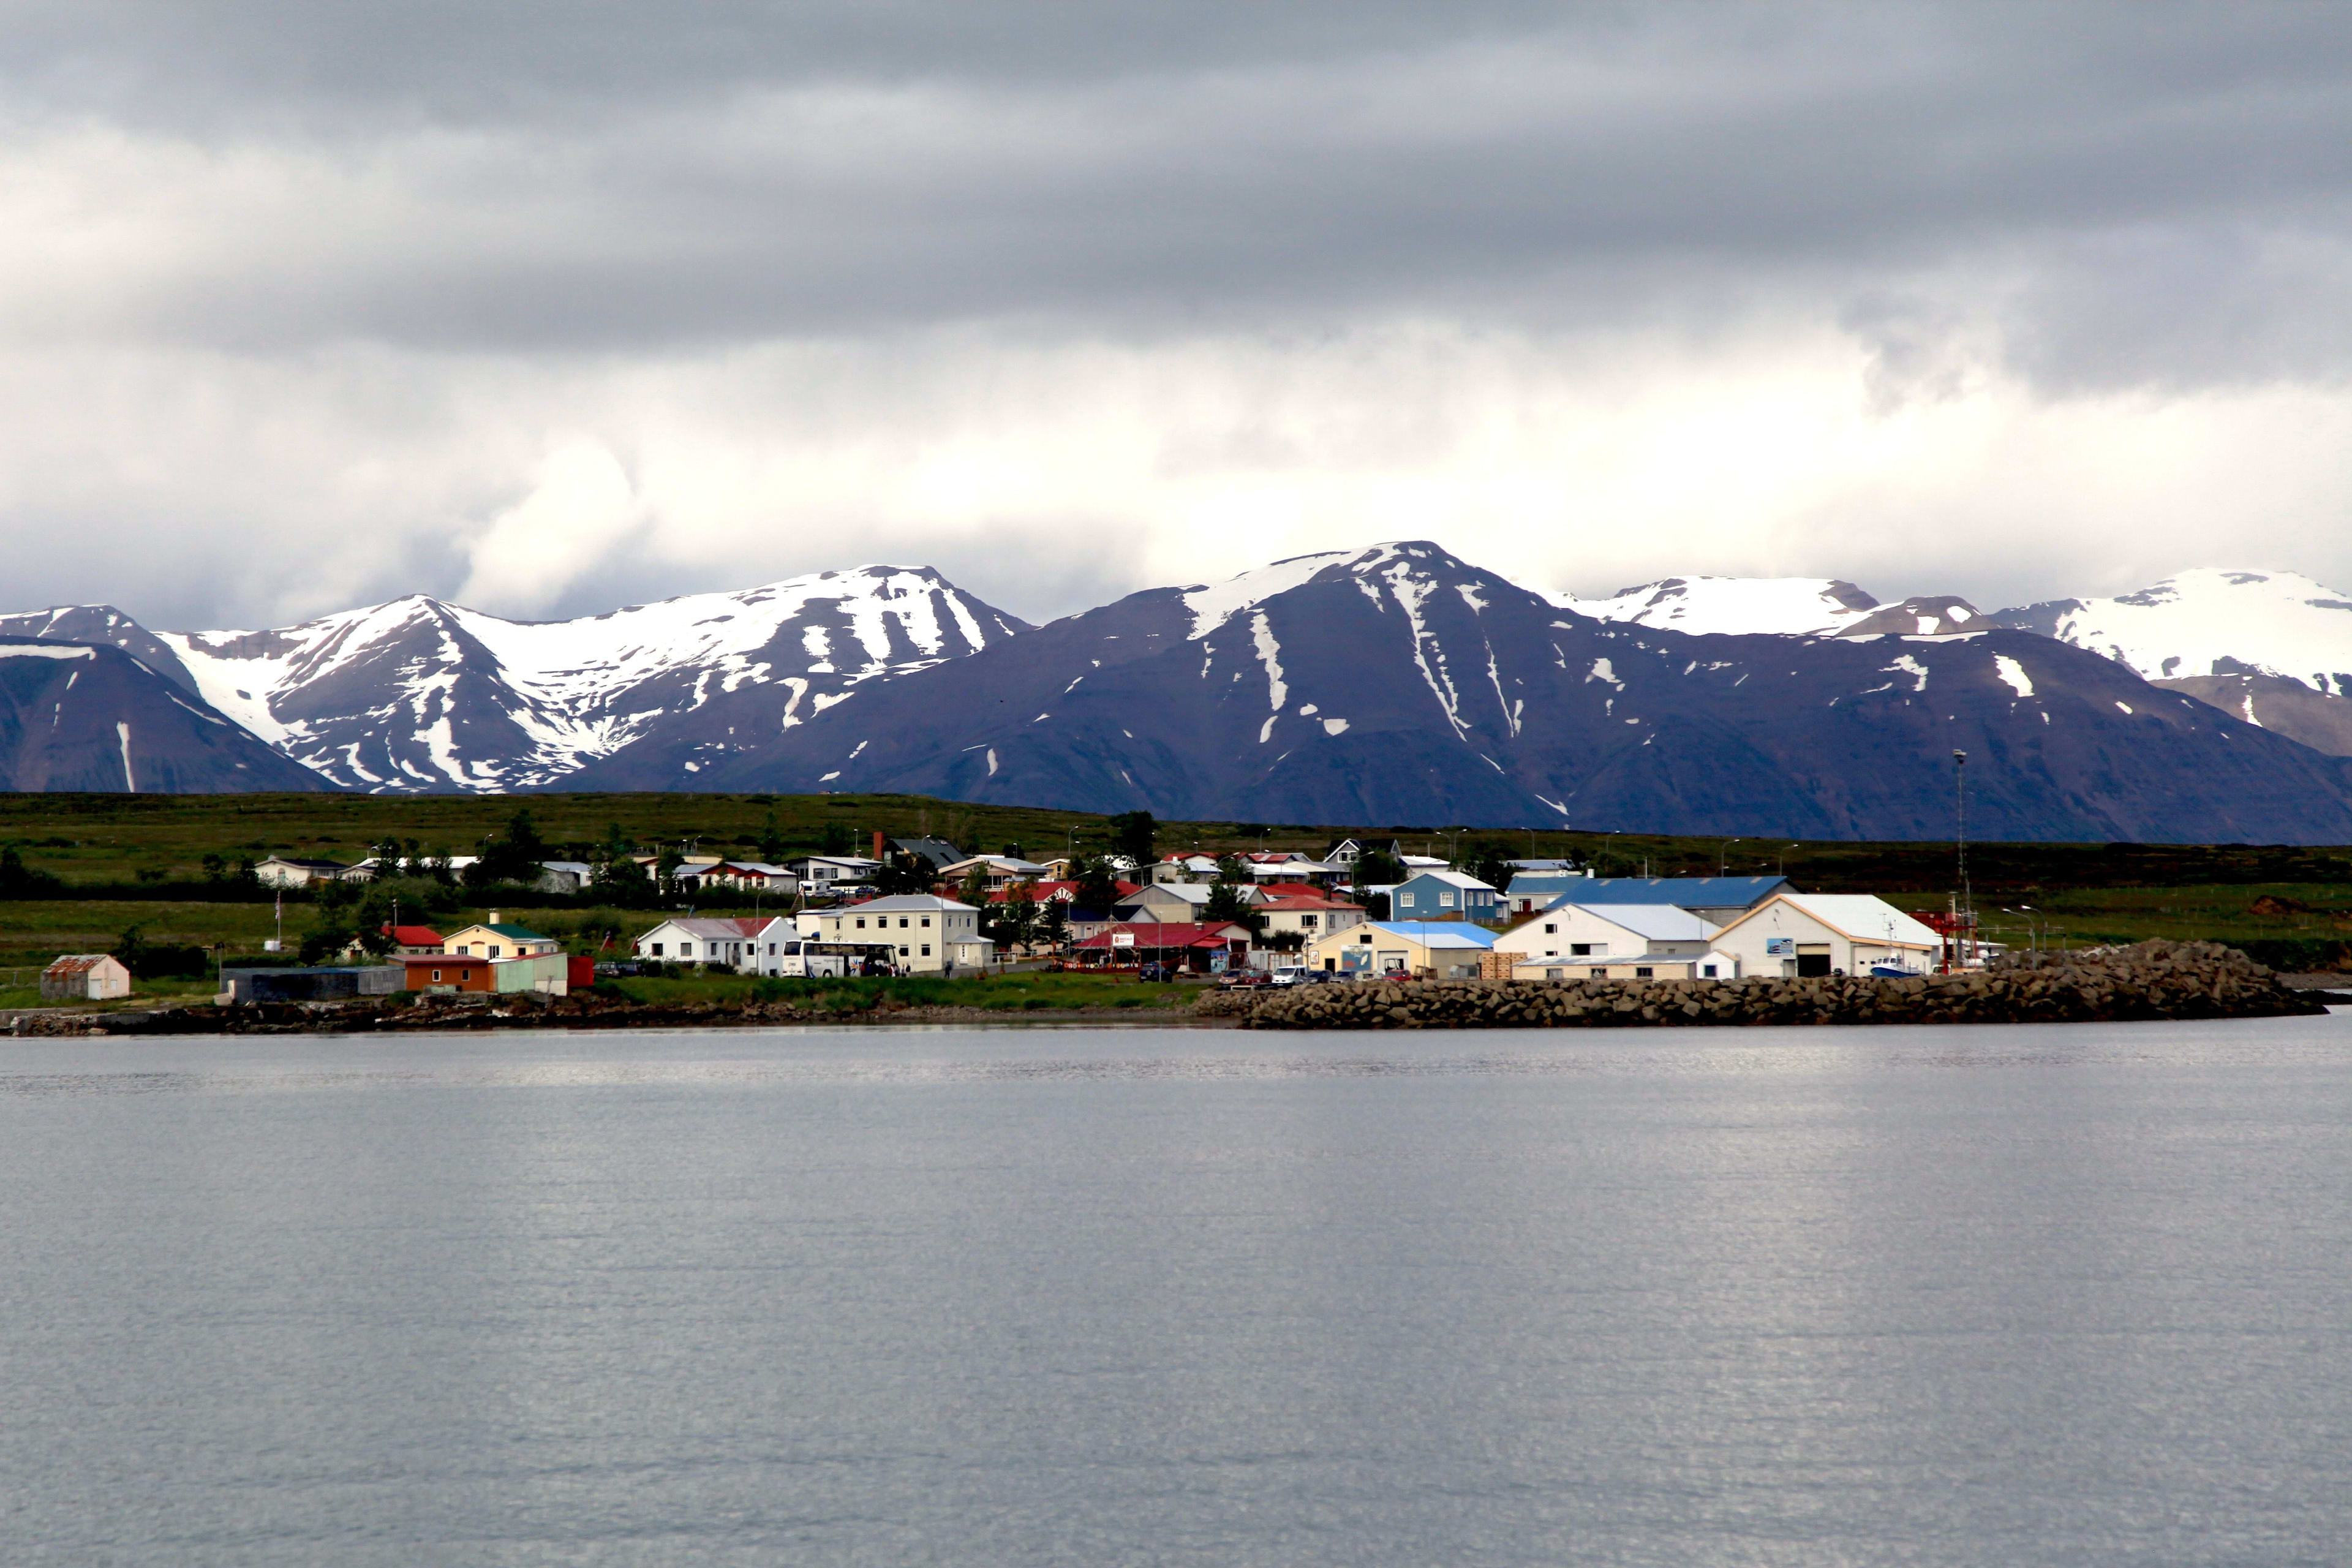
1242,979
1293,974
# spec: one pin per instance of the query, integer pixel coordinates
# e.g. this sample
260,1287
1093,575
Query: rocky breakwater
2150,981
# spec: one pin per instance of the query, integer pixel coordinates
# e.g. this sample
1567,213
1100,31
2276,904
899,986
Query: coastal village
1363,910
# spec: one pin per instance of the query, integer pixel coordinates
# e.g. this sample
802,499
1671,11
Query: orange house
449,972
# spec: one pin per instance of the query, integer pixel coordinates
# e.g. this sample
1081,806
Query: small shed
85,977
331,983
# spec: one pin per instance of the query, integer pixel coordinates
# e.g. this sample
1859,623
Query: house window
1405,899
1579,949
465,975
1640,973
1552,930
861,922
496,949
927,950
1707,971
902,953
657,949
1444,900
1600,974
927,925
1307,922
1367,937
902,922
437,977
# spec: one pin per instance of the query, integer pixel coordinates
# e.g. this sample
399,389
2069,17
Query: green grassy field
111,838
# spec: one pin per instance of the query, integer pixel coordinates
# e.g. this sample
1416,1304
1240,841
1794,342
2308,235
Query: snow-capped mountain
2213,622
1402,685
2274,647
88,716
1785,607
419,695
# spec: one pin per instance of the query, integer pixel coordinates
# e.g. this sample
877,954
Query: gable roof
78,963
938,851
414,936
1432,933
1450,878
1169,933
1690,892
1659,922
1857,917
1281,902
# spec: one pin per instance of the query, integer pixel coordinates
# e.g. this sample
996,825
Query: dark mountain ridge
1402,684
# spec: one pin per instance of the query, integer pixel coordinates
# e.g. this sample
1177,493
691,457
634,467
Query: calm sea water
1924,1296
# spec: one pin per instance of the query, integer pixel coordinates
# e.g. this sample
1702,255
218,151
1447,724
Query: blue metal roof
1685,892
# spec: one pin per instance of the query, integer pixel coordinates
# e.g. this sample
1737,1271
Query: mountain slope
418,695
1399,684
75,716
105,626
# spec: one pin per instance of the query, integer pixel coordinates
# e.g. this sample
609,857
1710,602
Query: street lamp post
1723,858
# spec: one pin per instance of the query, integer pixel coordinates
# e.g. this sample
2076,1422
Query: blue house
1444,896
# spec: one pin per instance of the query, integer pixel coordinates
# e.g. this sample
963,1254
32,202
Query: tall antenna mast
1967,911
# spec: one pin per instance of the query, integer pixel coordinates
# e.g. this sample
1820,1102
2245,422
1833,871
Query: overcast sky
548,308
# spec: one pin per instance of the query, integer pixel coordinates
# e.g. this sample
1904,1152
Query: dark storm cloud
2134,193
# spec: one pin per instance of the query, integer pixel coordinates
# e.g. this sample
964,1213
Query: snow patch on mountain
2212,621
1732,606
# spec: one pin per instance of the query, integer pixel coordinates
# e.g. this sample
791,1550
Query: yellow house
495,938
1433,949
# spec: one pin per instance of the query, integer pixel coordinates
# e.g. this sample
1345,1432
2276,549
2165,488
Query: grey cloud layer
2127,193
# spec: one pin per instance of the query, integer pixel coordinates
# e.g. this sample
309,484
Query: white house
1695,966
773,945
745,876
823,873
1825,933
999,871
279,871
712,943
1596,931
930,934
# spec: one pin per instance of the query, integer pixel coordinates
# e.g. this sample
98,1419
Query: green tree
1379,868
1490,863
1097,887
514,858
973,889
1228,895
772,842
1054,922
1135,834
1014,921
18,880
903,873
